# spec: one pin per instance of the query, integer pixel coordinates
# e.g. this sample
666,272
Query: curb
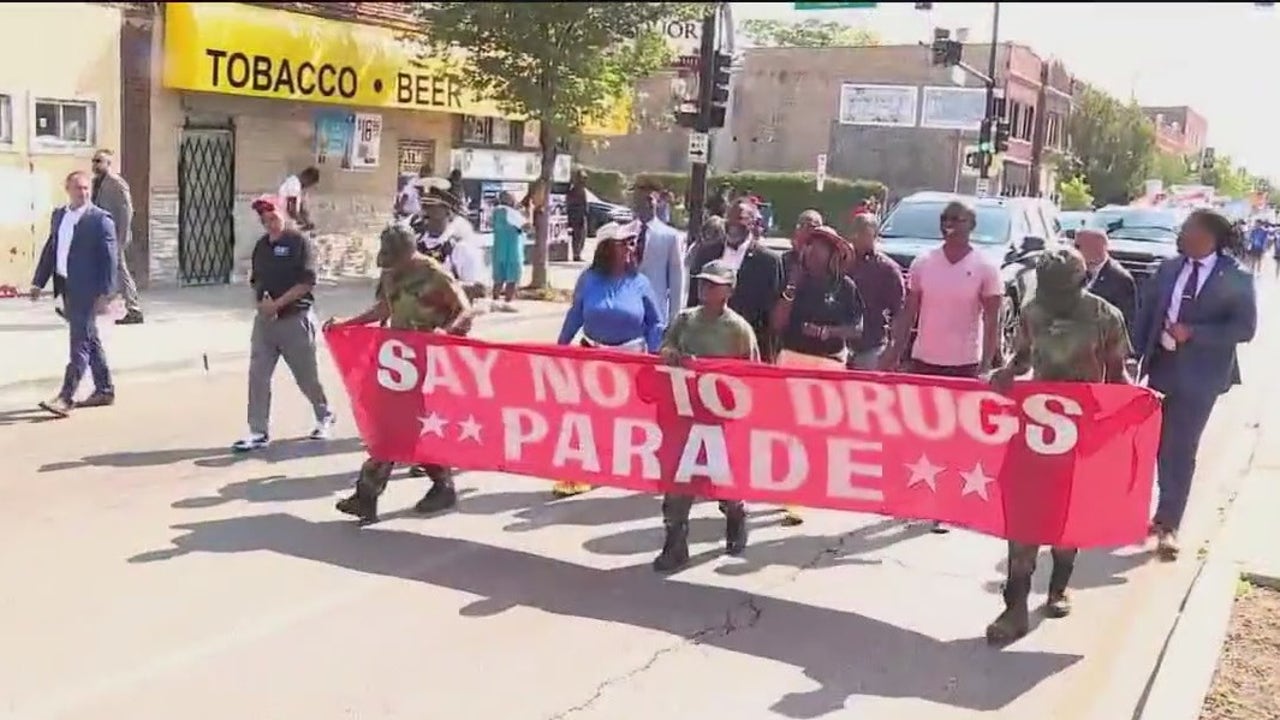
208,361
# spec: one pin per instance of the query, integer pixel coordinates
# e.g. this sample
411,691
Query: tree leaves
807,33
1113,145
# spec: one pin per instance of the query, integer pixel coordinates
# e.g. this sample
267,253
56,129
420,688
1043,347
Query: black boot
362,504
1058,604
1015,621
675,548
442,495
735,528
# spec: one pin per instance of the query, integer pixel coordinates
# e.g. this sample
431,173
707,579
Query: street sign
822,171
833,5
965,169
982,188
698,146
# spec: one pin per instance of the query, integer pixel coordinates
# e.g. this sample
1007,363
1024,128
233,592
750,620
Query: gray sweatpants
293,338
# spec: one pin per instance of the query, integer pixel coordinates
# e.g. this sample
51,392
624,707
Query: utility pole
990,123
698,135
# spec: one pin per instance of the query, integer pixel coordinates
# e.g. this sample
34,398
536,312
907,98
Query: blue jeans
85,349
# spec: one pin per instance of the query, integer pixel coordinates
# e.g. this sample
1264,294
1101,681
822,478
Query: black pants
677,506
577,236
1022,565
374,475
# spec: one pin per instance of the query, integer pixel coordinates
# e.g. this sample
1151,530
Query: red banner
1049,463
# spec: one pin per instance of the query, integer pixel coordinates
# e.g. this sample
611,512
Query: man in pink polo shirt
954,293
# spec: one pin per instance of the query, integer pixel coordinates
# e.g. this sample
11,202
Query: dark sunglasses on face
953,218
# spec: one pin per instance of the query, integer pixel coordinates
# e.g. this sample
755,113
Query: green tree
1172,169
562,64
1226,178
807,33
1074,194
1113,145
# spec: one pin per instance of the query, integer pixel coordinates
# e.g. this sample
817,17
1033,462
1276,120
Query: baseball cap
266,203
718,272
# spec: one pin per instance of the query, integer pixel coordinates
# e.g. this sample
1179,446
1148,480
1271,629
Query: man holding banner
415,293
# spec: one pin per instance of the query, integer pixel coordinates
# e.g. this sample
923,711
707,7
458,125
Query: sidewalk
196,327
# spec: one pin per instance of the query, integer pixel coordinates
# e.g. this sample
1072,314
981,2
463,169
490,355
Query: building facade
1180,130
240,96
54,113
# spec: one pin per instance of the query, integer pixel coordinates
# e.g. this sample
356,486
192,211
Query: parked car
599,211
1073,220
1012,231
1141,238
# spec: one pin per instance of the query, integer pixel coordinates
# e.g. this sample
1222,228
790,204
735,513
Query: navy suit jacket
91,260
1224,314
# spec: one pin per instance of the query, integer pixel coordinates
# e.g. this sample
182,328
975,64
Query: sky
1211,56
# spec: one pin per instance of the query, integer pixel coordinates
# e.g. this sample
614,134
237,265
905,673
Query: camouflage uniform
697,333
417,296
1066,335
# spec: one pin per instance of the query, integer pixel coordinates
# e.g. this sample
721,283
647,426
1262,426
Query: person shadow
213,457
28,416
843,653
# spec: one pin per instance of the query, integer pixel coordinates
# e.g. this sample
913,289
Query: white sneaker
324,428
255,441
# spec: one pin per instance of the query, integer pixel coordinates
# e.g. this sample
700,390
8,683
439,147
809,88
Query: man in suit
1197,308
111,193
81,258
759,272
1106,278
660,256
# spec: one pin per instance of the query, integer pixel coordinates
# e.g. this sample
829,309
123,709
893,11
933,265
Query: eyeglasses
954,218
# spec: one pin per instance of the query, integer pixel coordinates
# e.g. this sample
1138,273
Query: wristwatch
789,293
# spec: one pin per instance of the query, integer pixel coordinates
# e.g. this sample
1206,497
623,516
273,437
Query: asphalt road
150,575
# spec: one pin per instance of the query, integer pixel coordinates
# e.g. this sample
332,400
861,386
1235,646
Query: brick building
56,108
787,109
1180,130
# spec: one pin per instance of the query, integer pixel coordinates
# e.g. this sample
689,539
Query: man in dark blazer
760,281
80,258
1107,278
111,193
1195,311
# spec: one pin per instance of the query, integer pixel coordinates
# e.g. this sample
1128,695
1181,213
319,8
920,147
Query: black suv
1012,231
1141,238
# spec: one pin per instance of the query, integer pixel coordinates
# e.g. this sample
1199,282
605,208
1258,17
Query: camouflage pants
1022,565
375,474
676,508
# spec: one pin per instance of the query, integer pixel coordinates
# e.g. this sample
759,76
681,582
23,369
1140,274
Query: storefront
251,95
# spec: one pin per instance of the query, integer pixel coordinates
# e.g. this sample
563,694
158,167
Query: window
65,122
1053,130
477,130
6,120
1028,124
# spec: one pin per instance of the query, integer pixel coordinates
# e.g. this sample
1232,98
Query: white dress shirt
734,256
1207,264
67,230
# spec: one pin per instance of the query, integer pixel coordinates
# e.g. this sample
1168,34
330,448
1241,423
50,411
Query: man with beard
415,293
1066,334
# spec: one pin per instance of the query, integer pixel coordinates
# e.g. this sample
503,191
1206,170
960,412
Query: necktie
640,242
1190,290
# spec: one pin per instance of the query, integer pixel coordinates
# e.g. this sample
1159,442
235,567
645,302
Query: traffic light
720,66
984,137
945,51
1002,136
1207,162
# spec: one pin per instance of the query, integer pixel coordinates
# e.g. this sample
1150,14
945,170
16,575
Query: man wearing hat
710,330
448,237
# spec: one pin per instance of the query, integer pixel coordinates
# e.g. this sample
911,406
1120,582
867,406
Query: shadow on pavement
1094,569
844,653
213,457
30,415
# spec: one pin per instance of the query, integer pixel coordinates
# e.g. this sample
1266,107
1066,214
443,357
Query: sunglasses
954,218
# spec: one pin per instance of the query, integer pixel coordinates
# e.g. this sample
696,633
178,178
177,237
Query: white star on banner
470,429
923,471
432,424
976,482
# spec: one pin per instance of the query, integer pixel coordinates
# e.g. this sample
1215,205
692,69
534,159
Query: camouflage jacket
422,296
1075,347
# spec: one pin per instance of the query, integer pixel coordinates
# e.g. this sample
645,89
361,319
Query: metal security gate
206,206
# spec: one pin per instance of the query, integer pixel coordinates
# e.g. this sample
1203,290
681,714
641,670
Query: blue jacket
91,260
1224,315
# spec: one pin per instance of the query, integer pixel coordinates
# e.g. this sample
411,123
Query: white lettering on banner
396,369
844,465
1063,428
626,448
763,443
705,454
557,375
556,380
885,410
709,386
521,427
480,363
440,372
576,442
612,393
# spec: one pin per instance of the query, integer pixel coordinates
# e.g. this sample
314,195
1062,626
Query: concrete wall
50,51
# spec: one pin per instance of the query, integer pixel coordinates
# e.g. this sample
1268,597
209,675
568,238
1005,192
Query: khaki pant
292,337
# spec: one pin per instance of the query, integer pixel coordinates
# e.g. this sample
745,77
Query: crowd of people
831,301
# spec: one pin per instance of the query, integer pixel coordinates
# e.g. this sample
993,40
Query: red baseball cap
266,203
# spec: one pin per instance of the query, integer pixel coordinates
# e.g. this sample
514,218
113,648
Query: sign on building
950,108
882,105
822,171
367,147
412,155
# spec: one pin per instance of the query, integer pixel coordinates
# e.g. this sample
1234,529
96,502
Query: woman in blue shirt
613,307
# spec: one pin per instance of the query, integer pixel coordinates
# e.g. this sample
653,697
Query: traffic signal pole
706,91
990,125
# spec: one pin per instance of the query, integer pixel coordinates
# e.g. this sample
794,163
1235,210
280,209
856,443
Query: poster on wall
882,105
413,156
952,108
367,145
334,130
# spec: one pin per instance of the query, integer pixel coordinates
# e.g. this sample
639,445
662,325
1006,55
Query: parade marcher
575,209
613,307
659,255
954,291
508,251
1066,334
880,285
806,222
1256,245
712,234
80,258
709,330
1197,308
283,276
448,237
111,193
1107,278
417,294
294,192
409,199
